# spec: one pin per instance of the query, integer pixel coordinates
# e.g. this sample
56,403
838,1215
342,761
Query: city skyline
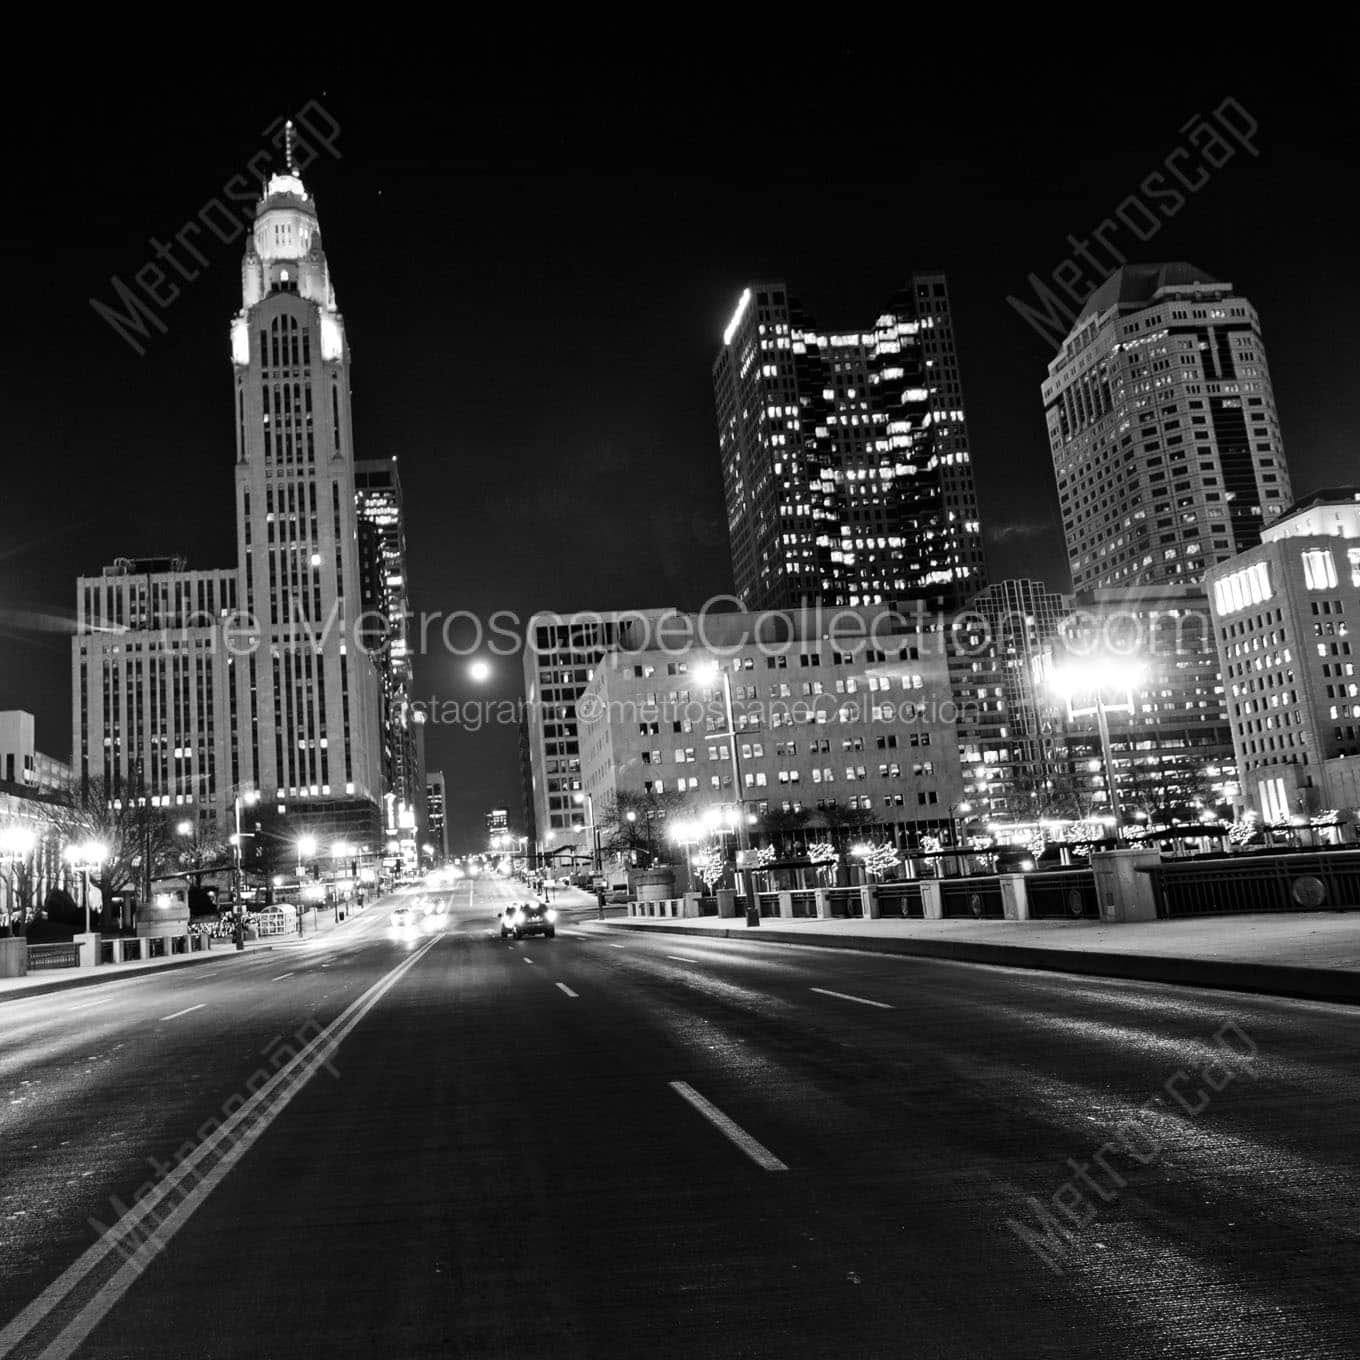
631,415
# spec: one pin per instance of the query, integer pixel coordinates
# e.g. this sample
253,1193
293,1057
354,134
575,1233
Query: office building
1282,615
847,467
435,807
1171,744
844,716
560,654
1162,424
190,687
1011,734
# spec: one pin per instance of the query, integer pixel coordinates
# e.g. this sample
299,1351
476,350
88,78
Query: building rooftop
1135,285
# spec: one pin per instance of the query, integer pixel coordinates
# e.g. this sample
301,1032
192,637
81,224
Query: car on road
528,918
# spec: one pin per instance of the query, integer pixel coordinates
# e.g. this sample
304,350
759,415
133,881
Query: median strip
845,996
756,1151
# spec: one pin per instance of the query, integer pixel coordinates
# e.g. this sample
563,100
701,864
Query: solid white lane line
757,1152
185,1011
281,977
845,996
562,986
680,958
139,1244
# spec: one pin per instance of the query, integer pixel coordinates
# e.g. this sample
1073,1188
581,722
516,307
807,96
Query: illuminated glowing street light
1092,677
480,671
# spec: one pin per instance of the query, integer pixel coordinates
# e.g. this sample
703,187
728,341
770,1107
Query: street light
687,834
250,797
589,800
480,671
83,857
306,848
1093,676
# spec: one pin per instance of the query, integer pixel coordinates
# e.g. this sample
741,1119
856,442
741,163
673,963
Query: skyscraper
847,468
314,694
1165,439
189,687
384,590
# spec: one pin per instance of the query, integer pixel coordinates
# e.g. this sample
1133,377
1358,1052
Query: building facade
1162,424
190,687
844,716
1012,738
847,467
1170,741
1282,614
384,625
435,801
561,652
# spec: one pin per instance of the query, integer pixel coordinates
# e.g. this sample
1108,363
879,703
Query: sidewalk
63,979
1302,954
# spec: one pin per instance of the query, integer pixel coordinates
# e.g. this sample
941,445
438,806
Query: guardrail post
868,896
1014,897
88,949
932,899
786,904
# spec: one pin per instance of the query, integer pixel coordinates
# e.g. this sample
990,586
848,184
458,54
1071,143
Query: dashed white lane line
612,945
281,977
562,987
185,1011
845,996
526,958
756,1151
680,958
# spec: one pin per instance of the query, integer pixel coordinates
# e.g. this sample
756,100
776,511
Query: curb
1313,984
90,977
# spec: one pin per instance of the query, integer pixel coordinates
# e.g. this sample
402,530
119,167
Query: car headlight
551,913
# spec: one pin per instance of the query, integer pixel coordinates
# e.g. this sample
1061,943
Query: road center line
185,1011
562,987
845,996
757,1152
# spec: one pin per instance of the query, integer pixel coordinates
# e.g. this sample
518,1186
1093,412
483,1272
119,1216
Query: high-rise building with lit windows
384,589
1282,618
191,687
847,467
1162,424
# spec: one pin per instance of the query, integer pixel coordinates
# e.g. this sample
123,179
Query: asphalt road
610,1144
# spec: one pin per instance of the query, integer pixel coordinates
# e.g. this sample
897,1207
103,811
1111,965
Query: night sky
536,260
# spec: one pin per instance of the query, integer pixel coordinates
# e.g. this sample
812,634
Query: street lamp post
85,856
306,848
250,797
589,800
706,673
1093,677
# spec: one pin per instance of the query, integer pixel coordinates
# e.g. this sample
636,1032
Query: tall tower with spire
193,689
308,693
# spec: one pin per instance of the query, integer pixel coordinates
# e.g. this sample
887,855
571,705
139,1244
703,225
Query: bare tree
136,837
